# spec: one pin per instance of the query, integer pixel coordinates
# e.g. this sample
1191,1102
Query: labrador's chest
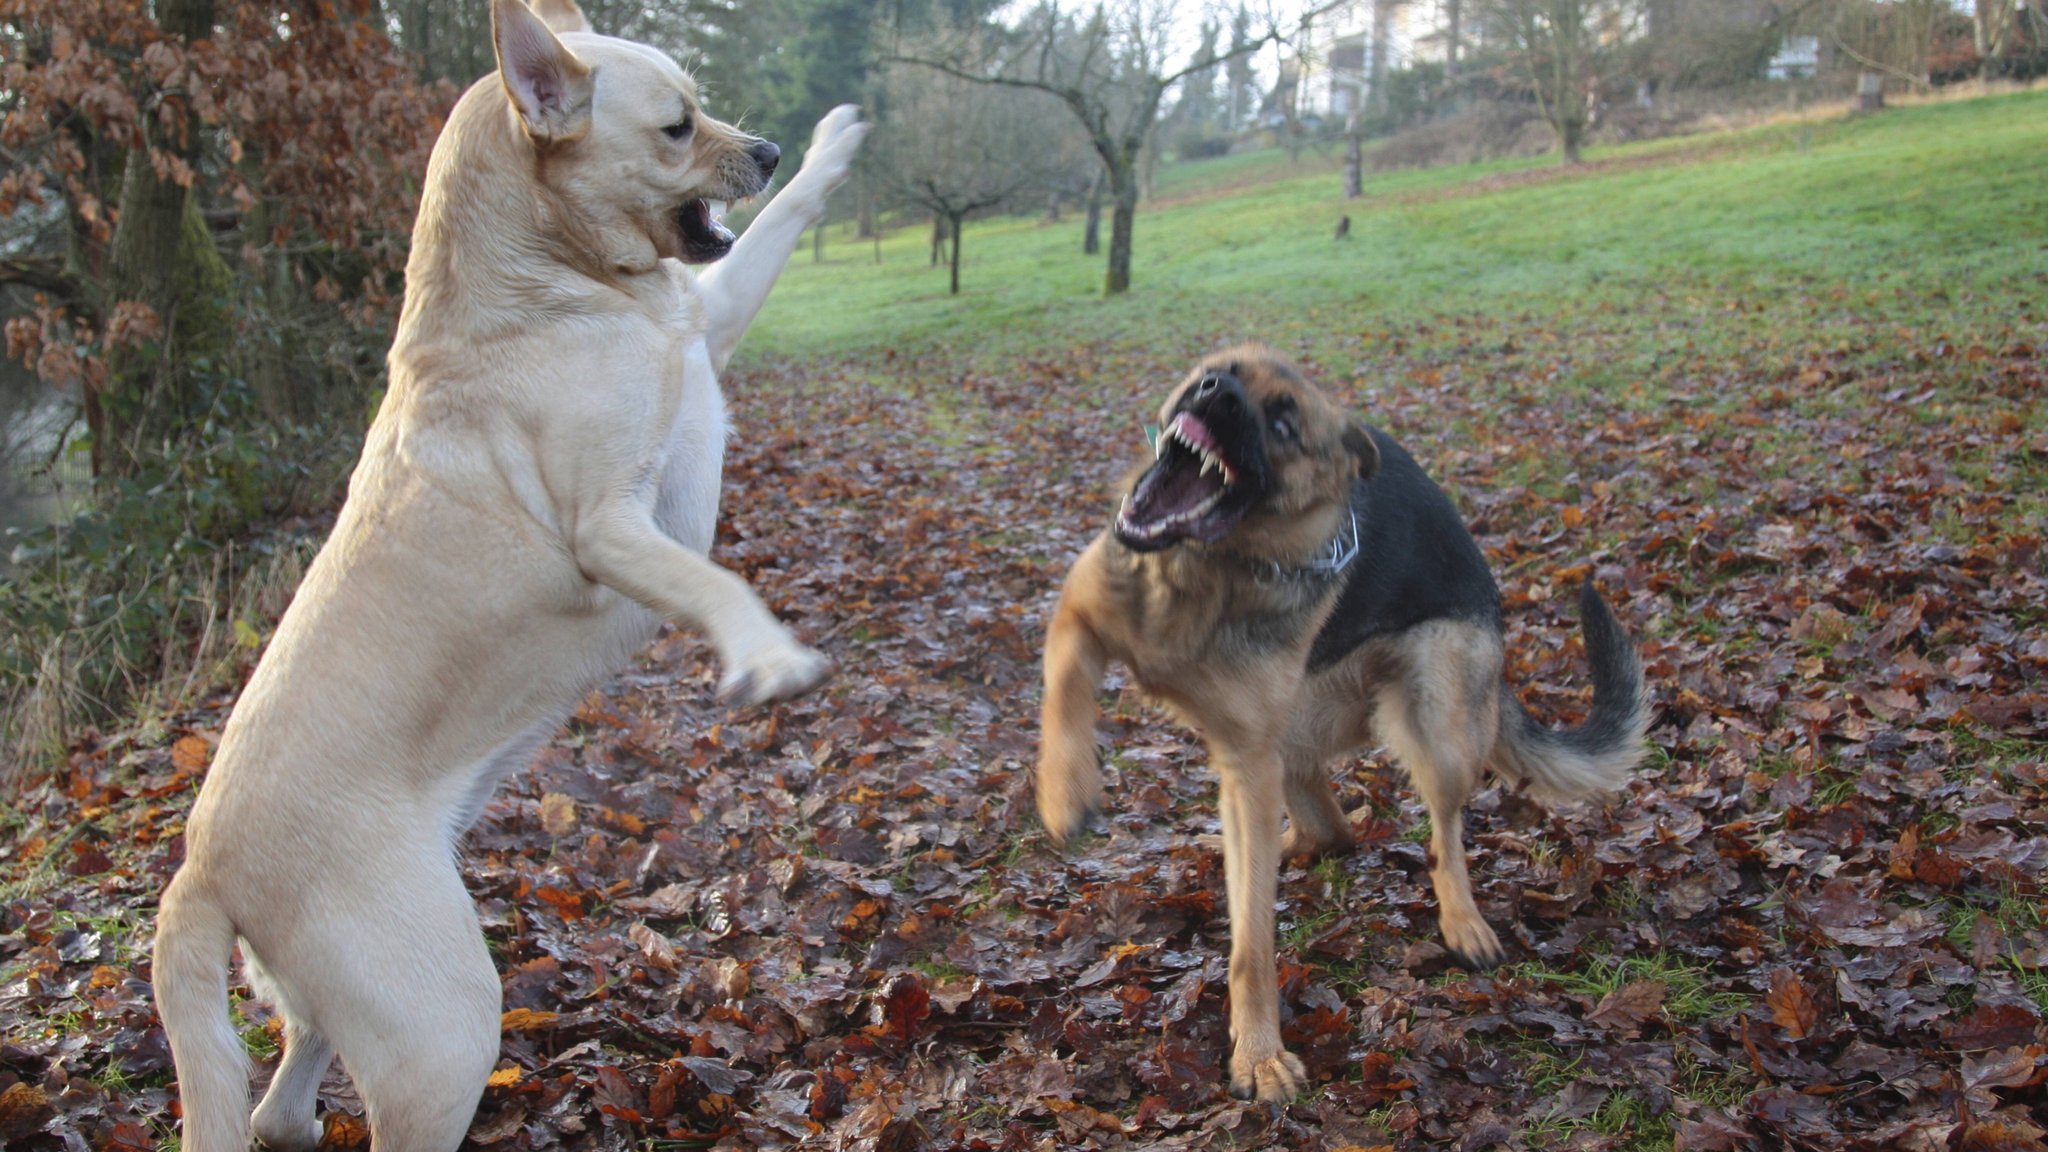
684,443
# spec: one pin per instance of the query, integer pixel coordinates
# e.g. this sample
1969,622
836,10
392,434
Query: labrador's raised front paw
834,142
784,670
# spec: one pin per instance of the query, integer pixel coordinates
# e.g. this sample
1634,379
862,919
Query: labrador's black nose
765,156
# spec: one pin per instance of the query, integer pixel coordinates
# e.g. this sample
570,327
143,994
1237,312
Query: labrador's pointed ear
561,16
1358,442
548,86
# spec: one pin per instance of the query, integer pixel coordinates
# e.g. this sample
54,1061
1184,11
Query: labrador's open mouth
705,236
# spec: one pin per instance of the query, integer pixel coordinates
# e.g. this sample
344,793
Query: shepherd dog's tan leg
1441,720
1069,781
1251,798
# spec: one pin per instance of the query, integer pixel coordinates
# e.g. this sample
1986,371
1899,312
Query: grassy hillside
1843,221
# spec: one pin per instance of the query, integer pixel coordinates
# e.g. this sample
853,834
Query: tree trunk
1354,158
938,237
1568,103
1453,11
162,256
865,210
1091,237
1569,133
1983,22
1123,215
1376,69
1869,92
418,33
958,222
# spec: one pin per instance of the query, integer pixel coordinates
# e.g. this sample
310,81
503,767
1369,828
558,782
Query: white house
1333,66
1797,58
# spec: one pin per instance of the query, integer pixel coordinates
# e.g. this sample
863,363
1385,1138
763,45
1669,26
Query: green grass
1621,1116
2032,981
1689,994
1771,242
2015,911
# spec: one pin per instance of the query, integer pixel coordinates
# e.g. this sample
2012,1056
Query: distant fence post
1869,92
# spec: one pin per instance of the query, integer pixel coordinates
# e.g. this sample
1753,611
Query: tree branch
1835,31
41,273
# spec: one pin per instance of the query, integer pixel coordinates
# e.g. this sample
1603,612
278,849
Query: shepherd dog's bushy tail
1598,755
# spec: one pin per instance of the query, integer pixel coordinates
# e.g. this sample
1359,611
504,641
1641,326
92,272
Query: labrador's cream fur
537,494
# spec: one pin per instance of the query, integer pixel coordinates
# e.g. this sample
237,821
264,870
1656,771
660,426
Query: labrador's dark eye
679,129
1283,428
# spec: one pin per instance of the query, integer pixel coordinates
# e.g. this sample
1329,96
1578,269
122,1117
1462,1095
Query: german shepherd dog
1292,585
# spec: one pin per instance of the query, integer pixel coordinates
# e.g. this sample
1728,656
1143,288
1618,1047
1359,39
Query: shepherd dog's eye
1283,428
678,130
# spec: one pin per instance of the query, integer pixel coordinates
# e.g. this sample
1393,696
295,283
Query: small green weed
1689,993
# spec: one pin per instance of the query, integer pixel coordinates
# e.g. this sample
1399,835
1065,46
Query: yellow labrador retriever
536,495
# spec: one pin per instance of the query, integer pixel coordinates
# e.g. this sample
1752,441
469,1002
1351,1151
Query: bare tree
1376,68
1899,39
1993,22
1559,46
1110,68
954,148
1354,156
1373,80
1454,17
1240,86
163,257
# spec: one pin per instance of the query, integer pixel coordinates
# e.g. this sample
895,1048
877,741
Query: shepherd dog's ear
561,16
1358,442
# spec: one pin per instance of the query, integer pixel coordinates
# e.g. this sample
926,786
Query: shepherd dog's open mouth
1186,493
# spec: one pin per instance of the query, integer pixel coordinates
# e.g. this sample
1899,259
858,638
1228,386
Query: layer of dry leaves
834,923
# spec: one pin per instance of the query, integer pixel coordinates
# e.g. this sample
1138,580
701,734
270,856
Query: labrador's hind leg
404,989
285,1120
